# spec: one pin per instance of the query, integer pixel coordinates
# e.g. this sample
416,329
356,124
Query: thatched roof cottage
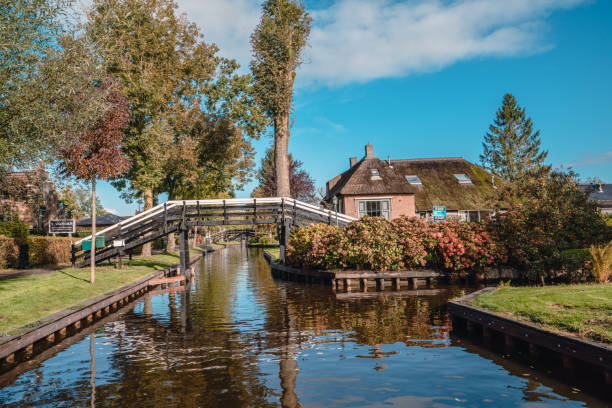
392,188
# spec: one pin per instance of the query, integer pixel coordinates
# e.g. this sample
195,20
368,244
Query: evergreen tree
511,147
278,42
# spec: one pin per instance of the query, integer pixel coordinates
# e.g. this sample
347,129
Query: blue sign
439,213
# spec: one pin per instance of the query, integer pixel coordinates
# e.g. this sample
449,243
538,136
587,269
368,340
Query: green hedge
49,250
9,252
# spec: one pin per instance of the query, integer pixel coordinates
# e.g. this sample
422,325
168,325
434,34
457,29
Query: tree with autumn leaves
96,153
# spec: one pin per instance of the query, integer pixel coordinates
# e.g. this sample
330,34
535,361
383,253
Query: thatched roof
439,184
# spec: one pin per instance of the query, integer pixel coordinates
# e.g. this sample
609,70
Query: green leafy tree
77,200
45,75
278,42
302,185
178,89
511,147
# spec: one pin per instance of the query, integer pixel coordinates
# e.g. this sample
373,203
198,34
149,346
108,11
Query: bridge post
184,249
283,239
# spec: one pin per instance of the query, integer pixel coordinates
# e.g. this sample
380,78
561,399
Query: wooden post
130,258
284,239
73,256
184,248
509,341
255,211
119,261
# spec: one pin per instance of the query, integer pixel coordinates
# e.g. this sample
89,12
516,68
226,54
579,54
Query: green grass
582,310
28,299
274,253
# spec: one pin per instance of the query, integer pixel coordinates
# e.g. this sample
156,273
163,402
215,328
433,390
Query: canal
239,338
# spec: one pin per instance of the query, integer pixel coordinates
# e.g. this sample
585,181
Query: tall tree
511,147
302,185
97,155
45,73
278,42
174,82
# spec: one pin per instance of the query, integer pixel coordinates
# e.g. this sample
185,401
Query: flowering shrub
378,244
372,243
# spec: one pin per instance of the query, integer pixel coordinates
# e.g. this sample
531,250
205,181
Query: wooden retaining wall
349,280
44,333
474,320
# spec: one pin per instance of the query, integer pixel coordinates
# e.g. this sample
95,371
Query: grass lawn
28,299
582,310
274,253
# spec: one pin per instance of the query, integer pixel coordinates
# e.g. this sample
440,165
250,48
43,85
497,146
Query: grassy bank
581,310
273,252
28,299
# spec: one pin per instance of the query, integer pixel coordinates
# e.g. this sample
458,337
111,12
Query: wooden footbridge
181,216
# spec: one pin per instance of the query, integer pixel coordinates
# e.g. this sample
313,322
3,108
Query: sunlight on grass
28,299
583,310
274,253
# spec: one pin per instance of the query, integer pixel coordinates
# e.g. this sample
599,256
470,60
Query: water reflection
239,338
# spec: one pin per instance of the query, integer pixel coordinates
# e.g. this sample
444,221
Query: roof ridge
428,159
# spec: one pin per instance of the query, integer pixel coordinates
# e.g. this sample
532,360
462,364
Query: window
414,180
463,179
375,175
374,208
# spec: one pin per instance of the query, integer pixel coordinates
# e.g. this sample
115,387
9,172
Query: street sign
62,227
439,213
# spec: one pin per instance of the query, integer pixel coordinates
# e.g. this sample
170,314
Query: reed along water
239,338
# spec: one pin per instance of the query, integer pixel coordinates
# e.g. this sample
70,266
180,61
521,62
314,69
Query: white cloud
593,159
363,40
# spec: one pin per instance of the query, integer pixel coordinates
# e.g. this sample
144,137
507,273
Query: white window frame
385,213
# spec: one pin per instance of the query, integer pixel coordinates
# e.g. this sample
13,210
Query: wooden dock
361,280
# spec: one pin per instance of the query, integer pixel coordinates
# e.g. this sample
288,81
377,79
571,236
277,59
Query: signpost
439,213
62,226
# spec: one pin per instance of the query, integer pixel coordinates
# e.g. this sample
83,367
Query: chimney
352,161
369,150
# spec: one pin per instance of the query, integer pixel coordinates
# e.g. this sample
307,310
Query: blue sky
423,78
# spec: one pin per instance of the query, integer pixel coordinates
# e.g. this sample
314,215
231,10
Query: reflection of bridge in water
180,216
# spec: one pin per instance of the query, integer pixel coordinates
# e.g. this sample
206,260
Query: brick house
411,187
32,198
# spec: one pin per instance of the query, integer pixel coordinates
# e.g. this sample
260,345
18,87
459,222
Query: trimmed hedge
49,250
9,252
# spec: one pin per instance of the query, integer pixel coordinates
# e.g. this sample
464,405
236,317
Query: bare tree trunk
92,264
148,203
171,247
281,155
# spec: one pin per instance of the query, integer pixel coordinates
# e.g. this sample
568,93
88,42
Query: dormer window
375,175
463,179
414,180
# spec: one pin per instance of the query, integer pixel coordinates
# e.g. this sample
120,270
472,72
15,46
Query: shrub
574,265
372,243
15,229
9,252
317,246
49,250
414,238
602,262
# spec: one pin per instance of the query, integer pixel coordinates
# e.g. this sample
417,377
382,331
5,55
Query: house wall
401,204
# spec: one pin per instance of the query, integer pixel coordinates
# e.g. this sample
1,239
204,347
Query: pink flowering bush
381,245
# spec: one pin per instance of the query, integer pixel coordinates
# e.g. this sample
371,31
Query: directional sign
439,213
61,226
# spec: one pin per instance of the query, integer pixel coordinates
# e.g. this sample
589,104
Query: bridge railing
173,215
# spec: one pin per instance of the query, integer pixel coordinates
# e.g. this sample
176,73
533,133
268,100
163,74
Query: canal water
239,338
